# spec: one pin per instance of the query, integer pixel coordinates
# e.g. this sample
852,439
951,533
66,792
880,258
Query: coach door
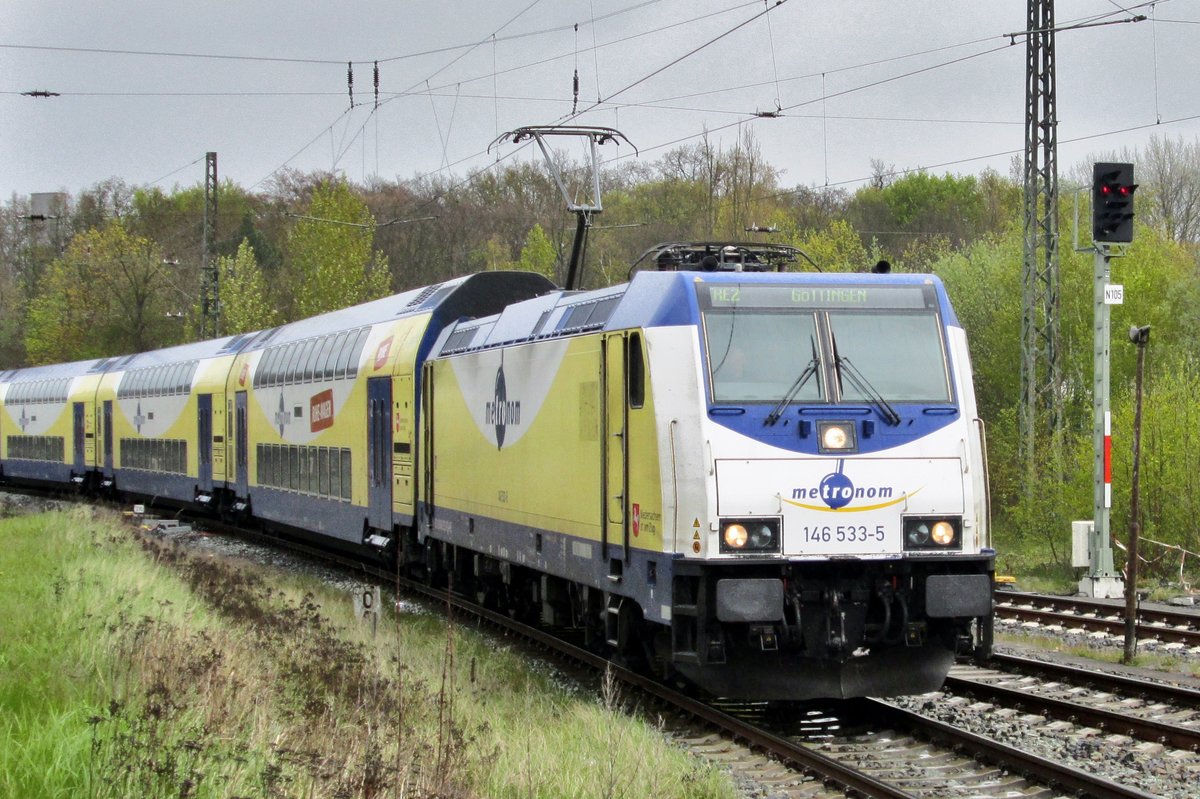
204,439
615,543
403,485
78,428
379,453
107,424
242,445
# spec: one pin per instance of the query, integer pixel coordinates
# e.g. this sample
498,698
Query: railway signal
1112,202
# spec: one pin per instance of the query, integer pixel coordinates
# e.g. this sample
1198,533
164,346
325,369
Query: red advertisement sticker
382,352
320,410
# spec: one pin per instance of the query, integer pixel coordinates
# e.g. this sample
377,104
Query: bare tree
1169,169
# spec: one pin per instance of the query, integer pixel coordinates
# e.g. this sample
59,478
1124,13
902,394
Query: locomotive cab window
778,344
900,353
758,355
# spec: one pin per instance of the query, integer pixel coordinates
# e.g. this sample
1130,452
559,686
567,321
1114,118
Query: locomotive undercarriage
843,629
849,628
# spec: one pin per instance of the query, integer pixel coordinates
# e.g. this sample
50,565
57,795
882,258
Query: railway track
1094,615
866,748
914,756
1110,703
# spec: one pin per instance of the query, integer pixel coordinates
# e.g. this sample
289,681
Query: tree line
117,269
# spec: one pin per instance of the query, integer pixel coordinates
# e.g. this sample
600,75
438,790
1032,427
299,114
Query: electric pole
1041,361
210,296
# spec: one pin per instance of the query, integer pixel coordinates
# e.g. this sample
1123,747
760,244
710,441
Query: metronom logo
501,412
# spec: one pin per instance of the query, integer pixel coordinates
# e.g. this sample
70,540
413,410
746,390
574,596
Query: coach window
293,362
175,386
335,474
323,471
324,369
170,380
302,471
343,366
636,371
314,478
278,363
162,385
309,358
281,364
345,474
288,361
261,370
356,355
336,361
271,369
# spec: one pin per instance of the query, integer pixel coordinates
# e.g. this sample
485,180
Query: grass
129,667
1031,561
1107,654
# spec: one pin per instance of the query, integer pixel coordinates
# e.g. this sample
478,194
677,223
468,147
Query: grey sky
147,118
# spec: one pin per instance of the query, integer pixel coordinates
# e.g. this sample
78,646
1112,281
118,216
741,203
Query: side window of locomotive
636,371
899,353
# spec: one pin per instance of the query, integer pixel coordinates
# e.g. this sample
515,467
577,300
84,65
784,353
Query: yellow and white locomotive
770,484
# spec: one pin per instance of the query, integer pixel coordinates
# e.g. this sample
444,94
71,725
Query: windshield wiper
864,387
810,370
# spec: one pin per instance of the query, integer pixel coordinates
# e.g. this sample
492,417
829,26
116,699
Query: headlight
750,535
736,536
836,437
932,534
942,533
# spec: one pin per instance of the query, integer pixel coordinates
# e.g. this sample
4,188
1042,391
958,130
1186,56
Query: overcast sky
926,83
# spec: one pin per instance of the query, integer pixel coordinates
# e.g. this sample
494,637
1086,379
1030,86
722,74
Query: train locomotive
769,484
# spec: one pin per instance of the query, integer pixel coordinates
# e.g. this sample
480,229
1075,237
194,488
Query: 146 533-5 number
841,533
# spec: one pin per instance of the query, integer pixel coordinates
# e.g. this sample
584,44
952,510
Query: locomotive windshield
884,341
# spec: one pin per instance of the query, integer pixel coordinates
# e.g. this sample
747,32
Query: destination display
728,295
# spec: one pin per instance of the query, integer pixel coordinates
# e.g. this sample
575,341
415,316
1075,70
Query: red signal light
1112,202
